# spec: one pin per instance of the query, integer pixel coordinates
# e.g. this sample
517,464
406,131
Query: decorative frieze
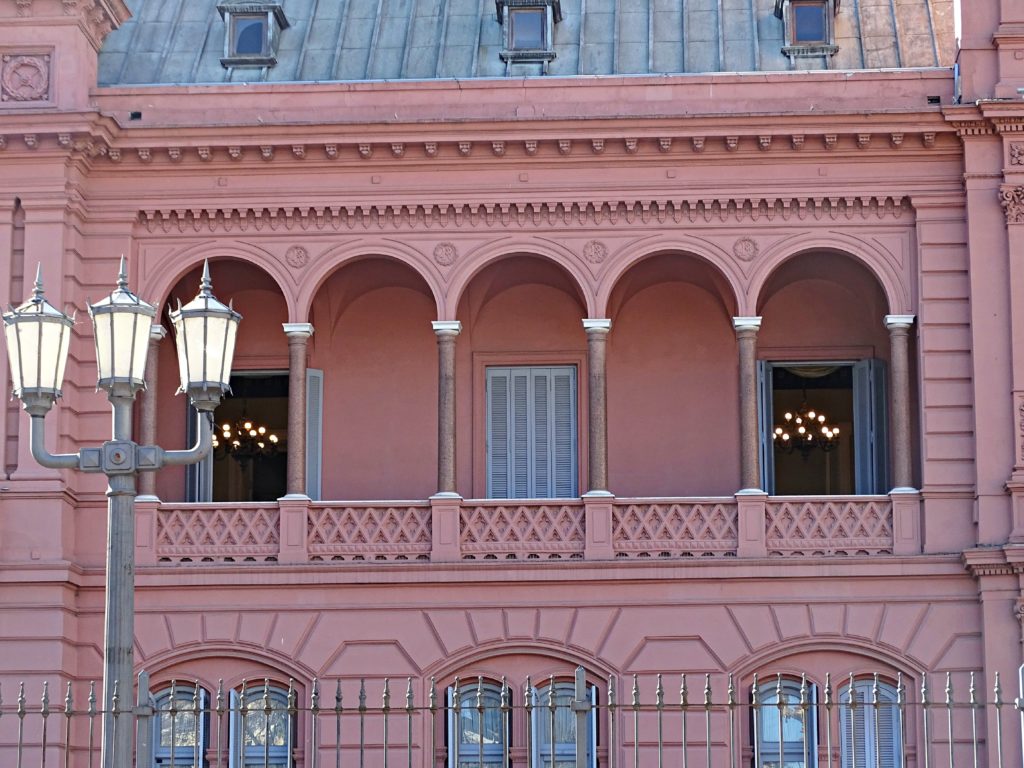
25,77
523,214
1017,153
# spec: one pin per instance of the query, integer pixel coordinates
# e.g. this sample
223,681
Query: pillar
597,336
899,399
750,441
446,331
298,335
147,415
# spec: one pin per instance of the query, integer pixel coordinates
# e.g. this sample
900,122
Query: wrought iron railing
704,721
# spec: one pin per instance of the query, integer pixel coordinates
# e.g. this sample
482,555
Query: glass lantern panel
14,355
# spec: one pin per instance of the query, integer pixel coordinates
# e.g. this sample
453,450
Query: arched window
477,729
787,735
553,725
180,727
870,735
262,729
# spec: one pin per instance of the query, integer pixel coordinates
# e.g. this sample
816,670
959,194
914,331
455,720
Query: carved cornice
506,214
1012,200
965,128
989,561
97,18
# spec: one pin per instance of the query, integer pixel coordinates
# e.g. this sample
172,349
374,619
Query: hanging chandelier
804,431
245,440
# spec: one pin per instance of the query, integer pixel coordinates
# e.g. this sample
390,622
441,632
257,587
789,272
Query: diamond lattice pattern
830,527
523,530
674,528
251,531
380,532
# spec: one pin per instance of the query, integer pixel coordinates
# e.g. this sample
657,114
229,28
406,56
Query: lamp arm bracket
195,454
43,456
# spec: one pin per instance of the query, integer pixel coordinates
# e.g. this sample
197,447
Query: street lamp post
38,337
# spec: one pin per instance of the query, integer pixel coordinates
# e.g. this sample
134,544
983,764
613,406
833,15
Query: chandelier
804,431
245,440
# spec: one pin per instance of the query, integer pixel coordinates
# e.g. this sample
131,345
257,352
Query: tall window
531,432
180,727
848,400
262,729
870,736
786,735
476,727
554,726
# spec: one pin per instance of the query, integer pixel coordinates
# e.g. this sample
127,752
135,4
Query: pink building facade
526,340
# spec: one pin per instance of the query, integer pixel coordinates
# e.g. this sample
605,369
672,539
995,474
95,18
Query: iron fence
704,721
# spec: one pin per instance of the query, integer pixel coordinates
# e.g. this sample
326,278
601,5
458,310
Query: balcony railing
451,530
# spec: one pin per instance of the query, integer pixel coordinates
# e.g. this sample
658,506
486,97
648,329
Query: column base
598,495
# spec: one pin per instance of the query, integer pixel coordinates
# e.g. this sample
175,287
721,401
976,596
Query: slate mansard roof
182,41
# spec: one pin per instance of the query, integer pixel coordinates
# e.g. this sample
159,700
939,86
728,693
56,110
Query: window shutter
860,729
565,449
314,431
764,415
871,444
542,434
235,731
520,405
497,433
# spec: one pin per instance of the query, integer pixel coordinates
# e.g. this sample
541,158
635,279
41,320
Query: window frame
888,708
275,22
242,756
541,749
511,53
183,693
795,48
808,745
532,372
494,755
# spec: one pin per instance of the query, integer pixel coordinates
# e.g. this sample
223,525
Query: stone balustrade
451,529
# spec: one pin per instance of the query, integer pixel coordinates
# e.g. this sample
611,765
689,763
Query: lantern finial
206,284
122,275
37,291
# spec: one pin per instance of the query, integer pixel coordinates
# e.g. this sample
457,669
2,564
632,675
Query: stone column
899,399
750,441
298,334
446,331
147,408
597,336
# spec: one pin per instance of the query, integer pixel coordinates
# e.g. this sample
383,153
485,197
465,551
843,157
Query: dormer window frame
271,14
513,52
793,45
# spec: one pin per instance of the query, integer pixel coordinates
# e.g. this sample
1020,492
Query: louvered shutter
314,431
871,441
497,433
766,420
862,730
531,432
564,452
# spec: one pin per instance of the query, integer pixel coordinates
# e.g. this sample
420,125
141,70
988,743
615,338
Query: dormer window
252,32
528,29
809,26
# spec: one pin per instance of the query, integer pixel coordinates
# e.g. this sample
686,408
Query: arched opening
520,362
823,353
375,355
260,394
673,419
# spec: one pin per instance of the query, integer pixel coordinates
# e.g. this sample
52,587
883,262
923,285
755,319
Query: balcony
297,531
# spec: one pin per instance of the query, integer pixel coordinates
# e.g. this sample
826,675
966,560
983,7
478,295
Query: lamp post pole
38,337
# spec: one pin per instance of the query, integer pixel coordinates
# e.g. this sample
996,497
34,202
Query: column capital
899,322
446,327
752,323
597,324
157,332
298,330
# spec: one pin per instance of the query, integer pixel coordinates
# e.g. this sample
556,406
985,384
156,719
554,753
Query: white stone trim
899,321
597,324
442,327
298,329
751,323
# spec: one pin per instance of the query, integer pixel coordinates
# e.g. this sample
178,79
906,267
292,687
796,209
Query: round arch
285,666
179,263
337,257
700,250
865,649
875,260
544,249
448,666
